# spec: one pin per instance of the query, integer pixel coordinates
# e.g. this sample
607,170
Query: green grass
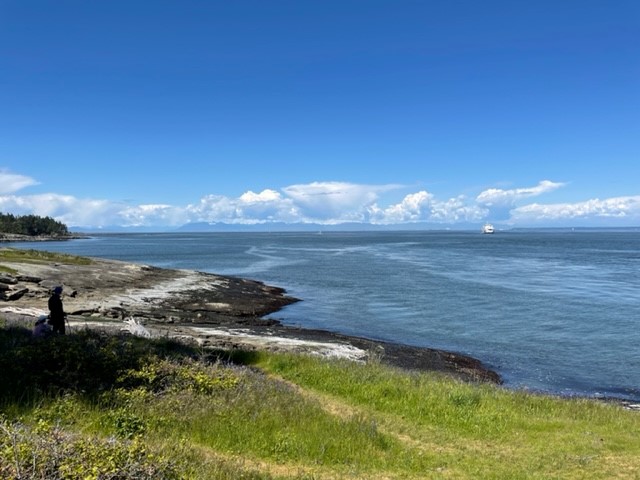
39,256
480,431
166,410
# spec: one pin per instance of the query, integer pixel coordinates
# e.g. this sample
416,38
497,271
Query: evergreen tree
31,225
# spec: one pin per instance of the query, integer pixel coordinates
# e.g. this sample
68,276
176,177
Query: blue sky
156,114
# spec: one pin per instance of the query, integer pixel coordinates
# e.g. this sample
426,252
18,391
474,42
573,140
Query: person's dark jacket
56,315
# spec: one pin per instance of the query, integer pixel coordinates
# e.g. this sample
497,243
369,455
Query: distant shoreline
14,237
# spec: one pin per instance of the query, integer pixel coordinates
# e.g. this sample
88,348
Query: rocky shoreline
215,311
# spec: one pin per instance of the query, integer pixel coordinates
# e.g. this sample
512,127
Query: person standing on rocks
56,315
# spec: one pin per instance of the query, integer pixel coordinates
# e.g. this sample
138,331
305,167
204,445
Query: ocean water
555,312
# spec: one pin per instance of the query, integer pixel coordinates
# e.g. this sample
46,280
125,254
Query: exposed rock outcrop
116,289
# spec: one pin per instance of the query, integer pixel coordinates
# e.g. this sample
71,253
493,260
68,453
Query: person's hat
57,290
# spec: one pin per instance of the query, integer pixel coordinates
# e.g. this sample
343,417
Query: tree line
32,225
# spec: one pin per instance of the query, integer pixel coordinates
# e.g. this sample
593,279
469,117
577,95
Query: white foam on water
268,261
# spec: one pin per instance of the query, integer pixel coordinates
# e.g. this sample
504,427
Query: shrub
158,376
47,451
92,362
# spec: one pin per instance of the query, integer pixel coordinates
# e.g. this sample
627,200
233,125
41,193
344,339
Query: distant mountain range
299,227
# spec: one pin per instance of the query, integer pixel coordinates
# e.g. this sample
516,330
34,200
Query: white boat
488,228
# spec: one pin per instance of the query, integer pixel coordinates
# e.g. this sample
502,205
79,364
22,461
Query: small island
32,228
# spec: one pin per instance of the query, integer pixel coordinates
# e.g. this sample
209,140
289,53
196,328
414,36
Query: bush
49,381
48,452
86,362
159,376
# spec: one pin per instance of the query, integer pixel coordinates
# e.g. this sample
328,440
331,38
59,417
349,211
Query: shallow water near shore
550,311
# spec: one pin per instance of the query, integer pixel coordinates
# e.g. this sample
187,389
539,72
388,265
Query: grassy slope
472,431
174,411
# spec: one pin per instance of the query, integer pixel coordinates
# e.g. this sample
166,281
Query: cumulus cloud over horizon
323,203
499,204
611,208
424,207
335,202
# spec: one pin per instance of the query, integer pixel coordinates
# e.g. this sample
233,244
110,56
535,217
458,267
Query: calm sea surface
556,312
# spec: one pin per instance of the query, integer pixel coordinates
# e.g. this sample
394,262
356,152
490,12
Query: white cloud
622,208
212,208
151,215
263,197
423,207
250,207
412,208
323,202
456,210
334,202
65,208
11,182
267,205
496,196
